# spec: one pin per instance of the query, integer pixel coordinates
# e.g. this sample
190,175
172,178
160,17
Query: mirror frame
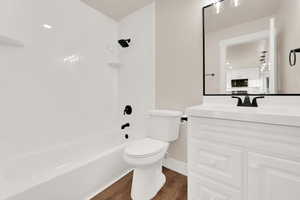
204,61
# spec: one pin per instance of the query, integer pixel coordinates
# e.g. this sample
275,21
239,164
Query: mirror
251,47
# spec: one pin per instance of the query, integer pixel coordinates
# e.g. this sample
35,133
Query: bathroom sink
266,114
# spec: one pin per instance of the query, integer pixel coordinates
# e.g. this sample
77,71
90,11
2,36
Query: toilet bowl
146,155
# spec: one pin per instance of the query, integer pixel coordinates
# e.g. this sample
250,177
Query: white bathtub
74,171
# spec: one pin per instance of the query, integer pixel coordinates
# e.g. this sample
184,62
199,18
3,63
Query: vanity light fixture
218,6
47,26
72,59
235,3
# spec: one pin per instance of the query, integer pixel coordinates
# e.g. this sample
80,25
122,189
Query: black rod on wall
293,57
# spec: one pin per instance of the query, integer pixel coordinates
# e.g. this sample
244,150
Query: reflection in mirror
249,47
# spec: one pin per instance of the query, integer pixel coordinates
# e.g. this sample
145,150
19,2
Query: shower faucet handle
127,110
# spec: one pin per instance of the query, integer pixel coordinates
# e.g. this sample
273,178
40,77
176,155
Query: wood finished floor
174,189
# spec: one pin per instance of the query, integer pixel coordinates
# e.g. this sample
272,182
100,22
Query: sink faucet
247,102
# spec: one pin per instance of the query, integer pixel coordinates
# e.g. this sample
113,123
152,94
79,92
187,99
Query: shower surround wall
57,93
61,101
138,68
58,87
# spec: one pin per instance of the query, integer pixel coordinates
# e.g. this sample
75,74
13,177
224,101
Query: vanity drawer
202,188
266,138
220,162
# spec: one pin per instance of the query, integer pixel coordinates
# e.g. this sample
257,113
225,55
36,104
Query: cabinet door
220,162
202,188
272,178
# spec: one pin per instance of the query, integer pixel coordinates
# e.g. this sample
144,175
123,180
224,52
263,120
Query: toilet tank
164,125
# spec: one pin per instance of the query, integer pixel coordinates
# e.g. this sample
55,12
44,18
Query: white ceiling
117,9
249,10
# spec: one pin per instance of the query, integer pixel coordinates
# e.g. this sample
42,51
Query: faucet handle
240,102
254,101
127,110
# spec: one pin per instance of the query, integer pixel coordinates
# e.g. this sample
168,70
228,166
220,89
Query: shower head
124,43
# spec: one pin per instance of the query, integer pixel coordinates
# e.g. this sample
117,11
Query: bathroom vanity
241,149
237,153
250,151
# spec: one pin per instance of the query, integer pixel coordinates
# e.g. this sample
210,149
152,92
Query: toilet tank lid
165,113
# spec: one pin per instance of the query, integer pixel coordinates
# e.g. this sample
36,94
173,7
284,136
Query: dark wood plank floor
174,189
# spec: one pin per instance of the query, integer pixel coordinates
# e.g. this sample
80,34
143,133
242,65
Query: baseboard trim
107,185
175,165
170,163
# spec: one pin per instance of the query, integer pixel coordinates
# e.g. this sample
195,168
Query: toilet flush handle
184,118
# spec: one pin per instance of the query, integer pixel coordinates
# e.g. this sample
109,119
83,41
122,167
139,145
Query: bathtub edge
92,195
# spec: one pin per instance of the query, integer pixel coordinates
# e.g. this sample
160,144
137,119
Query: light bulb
218,6
47,26
236,3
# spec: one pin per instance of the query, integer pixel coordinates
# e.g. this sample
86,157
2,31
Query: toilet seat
145,148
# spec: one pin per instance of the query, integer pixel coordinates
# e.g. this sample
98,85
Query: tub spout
125,126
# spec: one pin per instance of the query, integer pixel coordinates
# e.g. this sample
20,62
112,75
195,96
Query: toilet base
147,181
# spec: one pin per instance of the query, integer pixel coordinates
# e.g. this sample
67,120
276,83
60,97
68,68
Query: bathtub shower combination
60,135
78,170
80,81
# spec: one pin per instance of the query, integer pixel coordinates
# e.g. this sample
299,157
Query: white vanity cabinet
271,178
241,155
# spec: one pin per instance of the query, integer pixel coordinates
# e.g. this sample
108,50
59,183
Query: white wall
45,101
178,61
137,69
288,39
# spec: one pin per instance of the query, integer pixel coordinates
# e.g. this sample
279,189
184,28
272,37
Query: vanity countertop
288,116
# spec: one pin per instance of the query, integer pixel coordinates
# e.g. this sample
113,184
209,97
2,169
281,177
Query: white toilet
146,155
